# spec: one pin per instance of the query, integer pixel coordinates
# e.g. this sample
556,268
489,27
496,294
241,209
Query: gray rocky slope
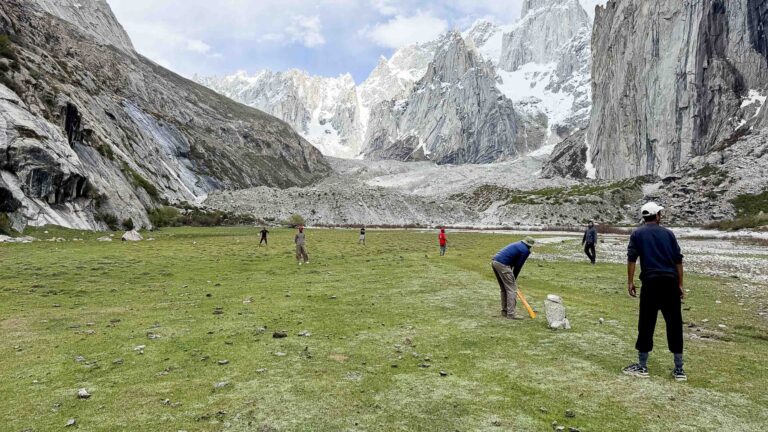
90,130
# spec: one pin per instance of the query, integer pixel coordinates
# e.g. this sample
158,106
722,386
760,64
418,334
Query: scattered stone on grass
79,359
443,373
223,362
261,370
221,385
218,310
280,334
132,236
70,422
248,300
118,361
83,394
570,414
305,333
280,354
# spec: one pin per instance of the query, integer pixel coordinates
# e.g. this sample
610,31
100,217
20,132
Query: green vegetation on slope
751,212
375,314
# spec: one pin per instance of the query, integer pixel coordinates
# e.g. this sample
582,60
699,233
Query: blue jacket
514,255
657,249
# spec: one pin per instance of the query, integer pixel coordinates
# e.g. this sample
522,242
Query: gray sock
679,361
642,358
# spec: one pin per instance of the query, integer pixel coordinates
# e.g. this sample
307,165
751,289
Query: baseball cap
650,209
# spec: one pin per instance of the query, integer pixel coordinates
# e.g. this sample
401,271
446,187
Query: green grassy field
377,315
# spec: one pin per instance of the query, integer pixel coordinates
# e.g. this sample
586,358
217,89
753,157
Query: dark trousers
660,294
589,249
263,240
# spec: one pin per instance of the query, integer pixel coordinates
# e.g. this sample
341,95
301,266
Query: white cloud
386,7
198,46
404,30
307,31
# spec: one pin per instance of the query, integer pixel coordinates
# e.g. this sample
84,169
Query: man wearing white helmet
661,264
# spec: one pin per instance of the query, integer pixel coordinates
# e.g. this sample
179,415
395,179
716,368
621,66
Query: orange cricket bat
525,303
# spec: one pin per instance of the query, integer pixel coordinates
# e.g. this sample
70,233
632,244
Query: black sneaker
679,374
636,370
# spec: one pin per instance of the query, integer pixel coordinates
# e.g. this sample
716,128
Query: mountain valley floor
178,334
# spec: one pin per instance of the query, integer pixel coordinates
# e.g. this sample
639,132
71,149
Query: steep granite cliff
673,80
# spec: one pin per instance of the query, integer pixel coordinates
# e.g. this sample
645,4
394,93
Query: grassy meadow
399,339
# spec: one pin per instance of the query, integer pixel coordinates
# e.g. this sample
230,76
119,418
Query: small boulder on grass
132,236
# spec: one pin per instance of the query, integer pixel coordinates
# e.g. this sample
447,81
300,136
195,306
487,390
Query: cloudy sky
324,37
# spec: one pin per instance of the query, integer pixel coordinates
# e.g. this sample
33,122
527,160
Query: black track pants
660,294
589,249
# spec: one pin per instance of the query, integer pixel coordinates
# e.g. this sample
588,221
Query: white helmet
650,209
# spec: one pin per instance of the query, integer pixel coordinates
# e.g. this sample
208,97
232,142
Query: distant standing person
264,233
362,236
443,240
589,241
661,264
506,266
301,249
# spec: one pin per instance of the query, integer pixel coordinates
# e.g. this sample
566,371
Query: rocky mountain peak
481,31
545,26
453,59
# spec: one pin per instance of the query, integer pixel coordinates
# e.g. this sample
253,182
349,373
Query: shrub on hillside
295,220
5,224
108,219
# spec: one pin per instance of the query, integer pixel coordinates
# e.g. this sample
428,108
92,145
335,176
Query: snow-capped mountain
454,114
326,111
537,68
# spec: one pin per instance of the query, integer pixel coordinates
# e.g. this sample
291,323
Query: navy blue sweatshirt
657,249
514,255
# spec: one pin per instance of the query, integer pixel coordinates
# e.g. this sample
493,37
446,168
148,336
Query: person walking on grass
264,233
661,265
301,250
589,241
506,266
443,240
362,236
